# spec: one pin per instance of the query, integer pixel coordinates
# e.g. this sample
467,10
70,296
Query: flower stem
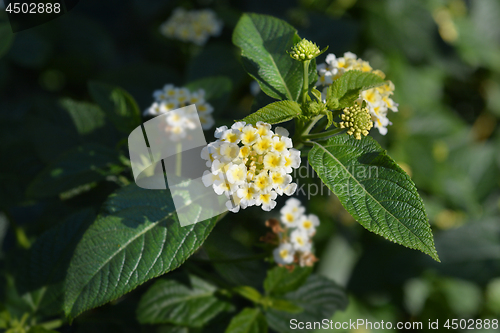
178,164
305,86
322,135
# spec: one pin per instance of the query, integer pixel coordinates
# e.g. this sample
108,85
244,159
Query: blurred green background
443,57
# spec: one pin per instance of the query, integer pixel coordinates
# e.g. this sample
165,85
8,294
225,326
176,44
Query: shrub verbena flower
293,235
195,26
378,100
171,98
357,120
251,165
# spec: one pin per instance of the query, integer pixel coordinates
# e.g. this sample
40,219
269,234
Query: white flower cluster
171,98
194,26
295,236
378,100
251,165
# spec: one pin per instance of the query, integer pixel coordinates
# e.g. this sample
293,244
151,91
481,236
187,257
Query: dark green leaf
221,246
78,166
280,280
87,117
319,297
49,258
217,90
249,293
6,37
263,41
275,113
284,305
214,86
347,87
137,237
374,190
118,105
170,302
249,320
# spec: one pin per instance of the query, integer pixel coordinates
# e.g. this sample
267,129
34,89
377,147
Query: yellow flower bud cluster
357,120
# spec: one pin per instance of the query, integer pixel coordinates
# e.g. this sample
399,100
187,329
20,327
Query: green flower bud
304,50
357,120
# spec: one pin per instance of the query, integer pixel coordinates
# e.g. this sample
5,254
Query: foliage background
443,57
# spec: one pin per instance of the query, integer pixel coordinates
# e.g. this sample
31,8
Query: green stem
322,134
305,86
178,164
311,124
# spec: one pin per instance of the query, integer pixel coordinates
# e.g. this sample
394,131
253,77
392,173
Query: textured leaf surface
263,41
249,320
347,87
374,190
318,297
78,166
118,105
169,301
275,113
226,253
49,258
136,238
280,280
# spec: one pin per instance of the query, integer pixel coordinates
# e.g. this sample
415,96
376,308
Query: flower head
194,26
304,50
294,235
254,162
378,100
357,120
177,123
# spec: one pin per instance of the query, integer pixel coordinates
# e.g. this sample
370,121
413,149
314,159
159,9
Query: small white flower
209,178
229,151
238,125
308,224
236,174
231,135
249,135
274,161
263,128
300,240
284,254
266,200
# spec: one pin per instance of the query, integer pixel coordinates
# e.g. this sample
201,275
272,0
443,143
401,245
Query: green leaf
275,113
214,86
249,293
263,41
40,329
217,90
118,105
79,166
347,87
280,280
136,238
87,117
319,297
49,258
171,302
6,37
249,320
220,247
284,305
374,190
